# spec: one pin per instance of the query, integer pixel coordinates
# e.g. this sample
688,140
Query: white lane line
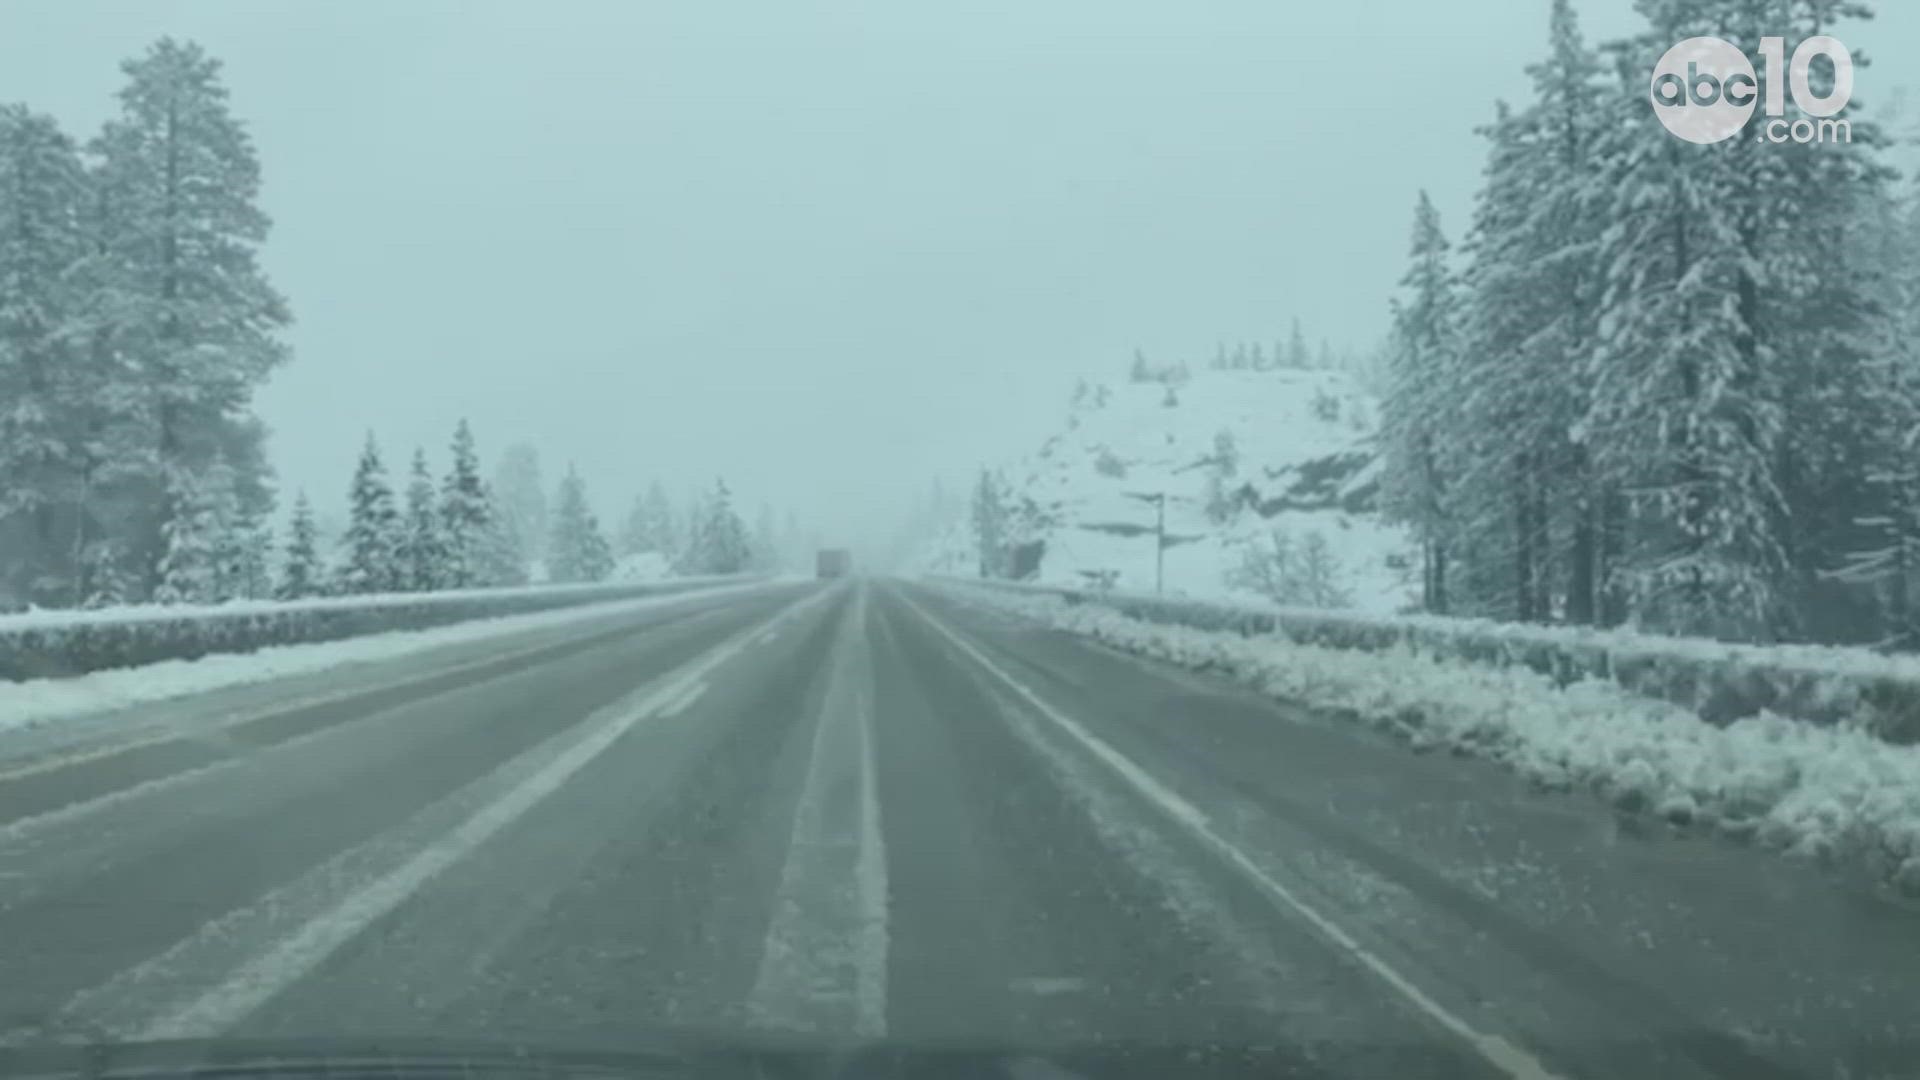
294,955
823,966
870,874
177,733
1496,1050
686,699
22,829
1048,985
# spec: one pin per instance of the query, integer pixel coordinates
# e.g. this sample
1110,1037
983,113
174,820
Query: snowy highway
872,812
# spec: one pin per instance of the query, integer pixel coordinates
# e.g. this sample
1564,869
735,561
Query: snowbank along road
863,812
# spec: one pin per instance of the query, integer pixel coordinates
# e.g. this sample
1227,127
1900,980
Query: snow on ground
1304,445
38,701
642,566
1827,792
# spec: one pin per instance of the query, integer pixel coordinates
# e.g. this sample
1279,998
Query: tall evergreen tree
1297,355
423,548
577,551
1564,182
1885,406
373,537
1880,560
718,542
1680,415
650,525
503,556
196,565
185,303
1424,354
990,525
1495,503
520,497
463,513
244,552
302,574
1526,328
46,391
1823,339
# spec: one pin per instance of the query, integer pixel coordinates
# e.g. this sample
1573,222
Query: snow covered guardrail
1718,681
45,644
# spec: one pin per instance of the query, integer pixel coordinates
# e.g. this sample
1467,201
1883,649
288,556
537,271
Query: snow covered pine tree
464,514
423,547
180,308
373,536
576,551
48,389
1415,434
302,574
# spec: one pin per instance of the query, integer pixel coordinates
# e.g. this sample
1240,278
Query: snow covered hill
1249,461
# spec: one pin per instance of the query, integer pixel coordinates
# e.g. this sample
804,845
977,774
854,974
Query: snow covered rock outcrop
1269,479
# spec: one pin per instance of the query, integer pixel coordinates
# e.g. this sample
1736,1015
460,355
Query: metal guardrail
1719,681
54,644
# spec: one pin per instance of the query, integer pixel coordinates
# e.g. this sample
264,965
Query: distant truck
833,563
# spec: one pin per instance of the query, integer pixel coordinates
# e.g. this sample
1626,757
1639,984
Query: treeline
709,537
1664,384
463,532
449,534
1291,354
135,324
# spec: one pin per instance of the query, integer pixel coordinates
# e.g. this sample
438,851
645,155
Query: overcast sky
825,249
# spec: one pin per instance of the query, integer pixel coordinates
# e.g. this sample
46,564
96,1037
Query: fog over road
870,813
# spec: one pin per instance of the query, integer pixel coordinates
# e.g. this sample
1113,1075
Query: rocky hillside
1269,478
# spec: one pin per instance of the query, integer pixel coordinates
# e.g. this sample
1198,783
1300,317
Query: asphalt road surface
873,814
